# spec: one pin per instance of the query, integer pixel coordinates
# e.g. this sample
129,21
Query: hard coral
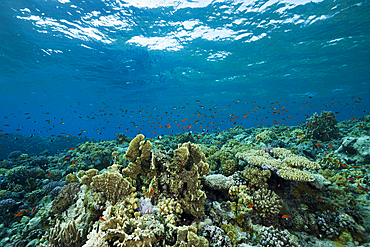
114,186
322,127
284,163
65,198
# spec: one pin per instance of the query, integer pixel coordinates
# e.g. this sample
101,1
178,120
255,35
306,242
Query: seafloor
305,185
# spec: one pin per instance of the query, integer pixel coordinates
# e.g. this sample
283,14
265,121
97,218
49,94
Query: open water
93,69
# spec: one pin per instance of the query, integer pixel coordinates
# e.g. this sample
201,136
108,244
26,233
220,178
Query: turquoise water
97,68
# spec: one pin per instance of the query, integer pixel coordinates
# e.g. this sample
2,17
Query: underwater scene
165,123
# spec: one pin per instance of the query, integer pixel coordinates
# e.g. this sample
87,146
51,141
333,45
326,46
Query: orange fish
101,218
362,188
33,210
219,143
353,118
48,174
19,214
251,206
285,216
300,136
356,167
73,161
278,185
351,179
319,200
67,158
343,165
72,149
330,146
318,144
151,192
358,177
259,137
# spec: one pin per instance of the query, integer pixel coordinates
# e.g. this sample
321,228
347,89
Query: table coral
283,162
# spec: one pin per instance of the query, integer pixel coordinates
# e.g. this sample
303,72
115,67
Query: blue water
97,68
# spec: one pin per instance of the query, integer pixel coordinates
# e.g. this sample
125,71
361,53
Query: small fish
356,167
259,137
300,136
151,192
19,214
33,210
318,144
285,216
219,143
102,218
72,149
351,179
358,177
48,174
278,185
67,158
319,200
344,165
73,161
362,188
353,118
330,146
251,206
339,179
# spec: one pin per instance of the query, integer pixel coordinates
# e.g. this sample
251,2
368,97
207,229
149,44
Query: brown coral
114,186
139,155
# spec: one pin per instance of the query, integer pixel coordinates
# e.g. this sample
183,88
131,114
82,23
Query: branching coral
66,235
126,231
267,203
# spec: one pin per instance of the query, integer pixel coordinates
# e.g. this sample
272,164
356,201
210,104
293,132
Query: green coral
256,178
322,127
229,167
